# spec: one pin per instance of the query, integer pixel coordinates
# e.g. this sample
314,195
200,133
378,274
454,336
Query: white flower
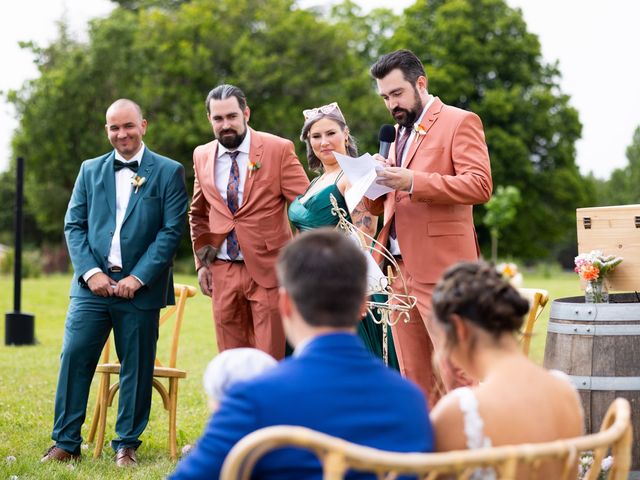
186,449
137,181
11,459
510,273
607,463
71,466
85,446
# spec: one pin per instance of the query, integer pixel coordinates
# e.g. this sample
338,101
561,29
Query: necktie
400,144
119,165
233,249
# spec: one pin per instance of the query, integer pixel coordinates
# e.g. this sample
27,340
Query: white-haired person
230,367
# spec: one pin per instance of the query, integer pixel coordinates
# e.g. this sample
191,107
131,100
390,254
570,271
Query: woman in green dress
325,131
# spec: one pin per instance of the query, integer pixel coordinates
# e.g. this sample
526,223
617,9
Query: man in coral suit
243,181
438,169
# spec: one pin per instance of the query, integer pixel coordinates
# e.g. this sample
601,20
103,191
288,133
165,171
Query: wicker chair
107,391
538,299
338,456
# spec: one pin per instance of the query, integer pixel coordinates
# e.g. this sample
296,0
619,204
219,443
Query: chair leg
94,422
103,398
96,413
173,407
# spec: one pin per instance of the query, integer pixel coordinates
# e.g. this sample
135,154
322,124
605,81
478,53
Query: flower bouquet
593,268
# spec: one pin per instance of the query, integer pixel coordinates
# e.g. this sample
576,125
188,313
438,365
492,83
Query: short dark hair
224,91
325,274
480,295
405,60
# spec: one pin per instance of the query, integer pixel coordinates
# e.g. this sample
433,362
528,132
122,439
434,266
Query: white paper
362,174
376,279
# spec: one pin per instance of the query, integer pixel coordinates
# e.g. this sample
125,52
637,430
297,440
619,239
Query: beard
407,117
230,138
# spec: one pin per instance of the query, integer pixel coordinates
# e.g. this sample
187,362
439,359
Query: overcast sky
595,43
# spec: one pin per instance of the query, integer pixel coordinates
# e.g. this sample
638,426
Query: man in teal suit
123,226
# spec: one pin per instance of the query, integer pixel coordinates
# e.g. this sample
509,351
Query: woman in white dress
516,401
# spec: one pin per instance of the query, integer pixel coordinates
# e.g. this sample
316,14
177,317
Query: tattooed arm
364,220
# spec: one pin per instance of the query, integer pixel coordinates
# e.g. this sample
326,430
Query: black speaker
19,329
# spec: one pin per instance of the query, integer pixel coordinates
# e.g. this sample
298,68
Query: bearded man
438,169
243,181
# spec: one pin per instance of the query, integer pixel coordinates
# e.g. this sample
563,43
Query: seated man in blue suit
332,384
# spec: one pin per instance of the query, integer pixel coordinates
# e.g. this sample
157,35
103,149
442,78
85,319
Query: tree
501,211
622,186
167,55
480,56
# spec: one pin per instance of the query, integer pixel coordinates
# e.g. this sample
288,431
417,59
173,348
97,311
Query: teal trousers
88,324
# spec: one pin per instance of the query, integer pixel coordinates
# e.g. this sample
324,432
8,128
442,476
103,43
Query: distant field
29,375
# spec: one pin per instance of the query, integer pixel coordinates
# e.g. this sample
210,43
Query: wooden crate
616,231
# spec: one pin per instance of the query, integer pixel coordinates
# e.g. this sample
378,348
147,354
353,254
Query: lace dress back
474,429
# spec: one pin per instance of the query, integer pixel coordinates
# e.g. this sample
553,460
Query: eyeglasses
323,110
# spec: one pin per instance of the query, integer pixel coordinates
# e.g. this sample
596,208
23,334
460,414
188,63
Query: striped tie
400,144
233,249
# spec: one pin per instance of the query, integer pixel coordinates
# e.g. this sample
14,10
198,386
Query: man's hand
101,284
207,254
396,177
205,281
127,287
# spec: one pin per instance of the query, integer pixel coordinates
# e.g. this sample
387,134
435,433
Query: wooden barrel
598,346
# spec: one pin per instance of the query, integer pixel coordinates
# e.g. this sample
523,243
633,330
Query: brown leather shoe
126,457
59,455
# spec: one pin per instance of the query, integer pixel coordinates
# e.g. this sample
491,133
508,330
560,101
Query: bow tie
119,165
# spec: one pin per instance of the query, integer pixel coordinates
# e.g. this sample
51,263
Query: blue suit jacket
335,386
151,229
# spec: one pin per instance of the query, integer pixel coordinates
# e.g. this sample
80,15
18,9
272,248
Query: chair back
538,299
338,456
182,293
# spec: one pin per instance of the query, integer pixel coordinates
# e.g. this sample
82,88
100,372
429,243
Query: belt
115,269
228,261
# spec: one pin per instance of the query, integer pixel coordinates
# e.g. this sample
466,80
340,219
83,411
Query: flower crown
330,108
312,114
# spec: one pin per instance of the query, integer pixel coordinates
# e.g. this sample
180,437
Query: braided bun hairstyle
479,294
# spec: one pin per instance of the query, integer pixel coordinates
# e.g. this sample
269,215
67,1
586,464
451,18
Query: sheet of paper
361,172
376,280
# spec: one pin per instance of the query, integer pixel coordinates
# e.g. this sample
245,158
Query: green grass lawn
29,375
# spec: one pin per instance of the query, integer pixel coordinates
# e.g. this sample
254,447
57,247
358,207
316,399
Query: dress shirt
221,174
394,247
123,193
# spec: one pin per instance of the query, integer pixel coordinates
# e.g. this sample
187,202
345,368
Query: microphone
386,137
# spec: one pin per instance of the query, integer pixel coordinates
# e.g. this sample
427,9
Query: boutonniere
253,166
137,181
420,130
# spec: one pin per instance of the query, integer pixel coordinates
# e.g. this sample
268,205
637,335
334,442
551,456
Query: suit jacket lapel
109,183
427,122
146,170
255,157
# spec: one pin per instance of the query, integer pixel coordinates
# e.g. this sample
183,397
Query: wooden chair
538,299
107,391
337,456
